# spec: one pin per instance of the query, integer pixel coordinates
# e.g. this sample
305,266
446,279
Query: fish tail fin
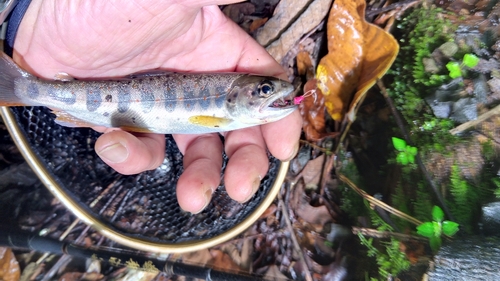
9,73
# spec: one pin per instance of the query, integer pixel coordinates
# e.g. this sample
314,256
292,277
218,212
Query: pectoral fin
209,121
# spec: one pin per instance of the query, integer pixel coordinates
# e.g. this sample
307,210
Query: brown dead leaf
313,112
240,253
304,64
291,30
256,23
223,261
316,217
71,276
212,258
273,273
358,54
312,172
9,267
237,11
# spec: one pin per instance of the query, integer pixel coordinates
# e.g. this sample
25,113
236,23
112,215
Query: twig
324,150
385,234
483,117
377,202
418,159
295,242
393,6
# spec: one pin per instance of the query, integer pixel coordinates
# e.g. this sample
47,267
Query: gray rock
467,258
481,89
441,109
491,219
430,65
464,110
448,49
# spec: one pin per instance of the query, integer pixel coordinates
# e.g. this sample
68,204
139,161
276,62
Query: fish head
256,99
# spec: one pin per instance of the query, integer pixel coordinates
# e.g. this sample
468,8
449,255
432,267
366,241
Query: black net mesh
142,205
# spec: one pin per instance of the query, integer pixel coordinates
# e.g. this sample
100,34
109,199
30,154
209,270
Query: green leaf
450,228
412,150
454,68
435,242
437,213
399,144
411,158
470,60
426,229
402,158
437,228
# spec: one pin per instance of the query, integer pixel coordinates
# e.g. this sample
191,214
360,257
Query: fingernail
208,197
115,153
295,151
255,187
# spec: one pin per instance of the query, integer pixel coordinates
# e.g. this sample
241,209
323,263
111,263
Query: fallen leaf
71,276
358,54
316,217
304,64
283,16
312,172
273,273
240,253
310,18
313,114
223,261
237,11
211,258
9,267
256,23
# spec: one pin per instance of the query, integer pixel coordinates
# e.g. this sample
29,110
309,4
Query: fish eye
266,88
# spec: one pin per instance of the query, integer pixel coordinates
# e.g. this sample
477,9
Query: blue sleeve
13,24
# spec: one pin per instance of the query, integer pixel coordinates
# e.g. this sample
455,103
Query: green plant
406,152
456,69
391,261
435,228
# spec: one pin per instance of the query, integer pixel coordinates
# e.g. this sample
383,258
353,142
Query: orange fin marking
68,120
7,103
136,129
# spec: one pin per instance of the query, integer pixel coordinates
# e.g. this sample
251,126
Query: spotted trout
166,103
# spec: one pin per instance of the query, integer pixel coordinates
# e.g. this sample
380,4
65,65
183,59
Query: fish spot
251,103
204,101
130,119
235,95
93,99
228,100
254,93
65,96
219,99
108,98
170,100
33,90
105,114
147,98
123,97
189,100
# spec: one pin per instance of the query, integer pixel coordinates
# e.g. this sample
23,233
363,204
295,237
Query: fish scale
168,102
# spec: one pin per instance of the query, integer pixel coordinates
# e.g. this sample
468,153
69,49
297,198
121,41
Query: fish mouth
279,102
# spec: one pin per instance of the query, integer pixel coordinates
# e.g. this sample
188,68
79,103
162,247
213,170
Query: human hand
90,39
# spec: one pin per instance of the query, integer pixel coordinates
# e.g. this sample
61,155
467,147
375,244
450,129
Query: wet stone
464,110
481,89
491,219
